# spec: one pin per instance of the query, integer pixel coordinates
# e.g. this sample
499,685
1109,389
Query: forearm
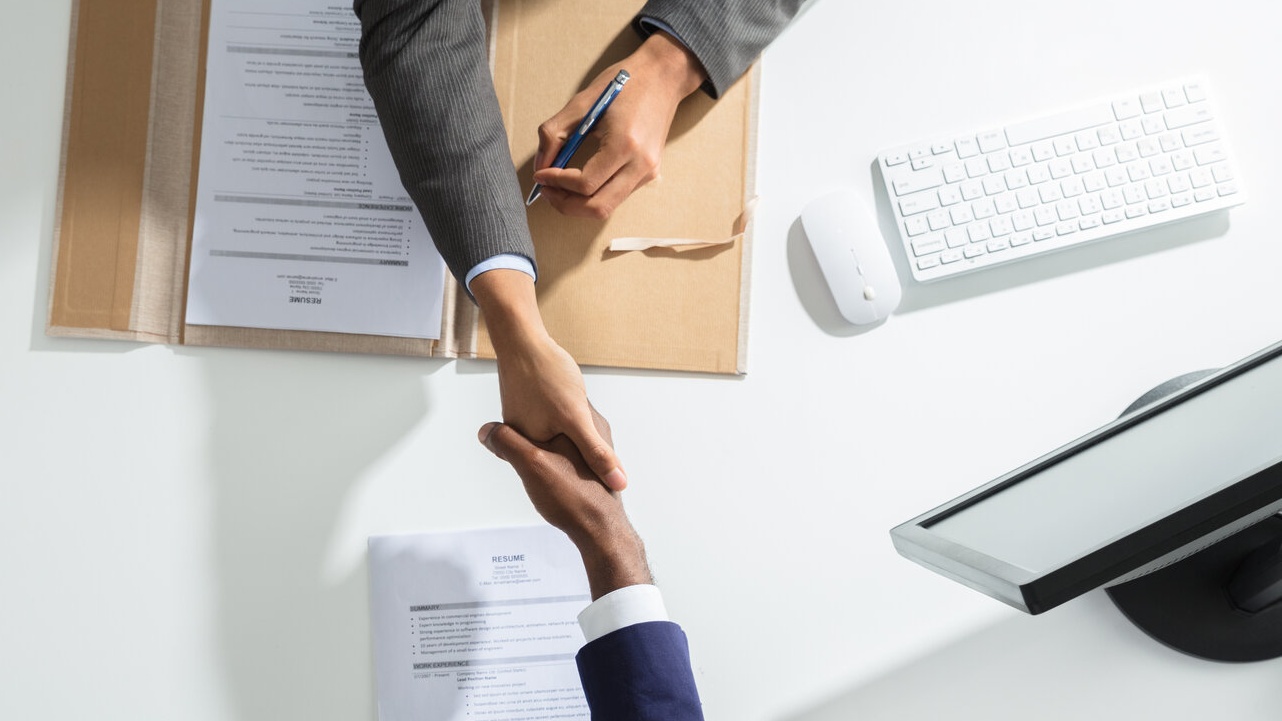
426,69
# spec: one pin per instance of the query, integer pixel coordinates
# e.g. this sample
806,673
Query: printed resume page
477,625
301,219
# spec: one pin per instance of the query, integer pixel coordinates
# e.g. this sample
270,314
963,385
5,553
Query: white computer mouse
855,260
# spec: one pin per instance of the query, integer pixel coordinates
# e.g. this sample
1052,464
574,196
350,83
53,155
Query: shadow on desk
1080,661
290,436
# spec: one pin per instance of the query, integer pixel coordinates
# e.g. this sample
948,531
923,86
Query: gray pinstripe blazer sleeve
426,68
726,35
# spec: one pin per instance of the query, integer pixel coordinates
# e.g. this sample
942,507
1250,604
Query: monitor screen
1191,467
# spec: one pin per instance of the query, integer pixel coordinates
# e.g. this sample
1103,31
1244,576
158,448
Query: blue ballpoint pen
585,126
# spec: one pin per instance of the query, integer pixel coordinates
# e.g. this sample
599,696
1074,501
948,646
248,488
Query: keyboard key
1199,135
1173,97
1049,127
923,180
893,159
992,140
1126,108
1151,102
928,245
974,251
1187,115
966,148
918,203
1207,154
928,262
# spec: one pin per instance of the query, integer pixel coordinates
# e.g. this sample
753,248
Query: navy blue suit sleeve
640,673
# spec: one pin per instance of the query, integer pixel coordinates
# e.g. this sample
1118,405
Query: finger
504,441
552,135
602,425
597,170
600,457
599,206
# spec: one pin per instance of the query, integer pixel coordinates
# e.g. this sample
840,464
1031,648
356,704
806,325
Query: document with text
301,219
477,625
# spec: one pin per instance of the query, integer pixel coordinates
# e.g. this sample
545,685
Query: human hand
540,384
632,133
567,494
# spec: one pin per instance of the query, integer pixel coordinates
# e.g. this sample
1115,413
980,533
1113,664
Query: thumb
502,440
600,458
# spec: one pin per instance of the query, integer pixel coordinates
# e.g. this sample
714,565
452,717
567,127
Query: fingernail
483,435
615,480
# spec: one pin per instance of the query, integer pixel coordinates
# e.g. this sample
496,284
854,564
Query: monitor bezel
1250,498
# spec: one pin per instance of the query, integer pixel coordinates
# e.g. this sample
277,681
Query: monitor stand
1223,603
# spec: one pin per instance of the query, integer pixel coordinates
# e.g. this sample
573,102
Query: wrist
674,61
613,561
510,307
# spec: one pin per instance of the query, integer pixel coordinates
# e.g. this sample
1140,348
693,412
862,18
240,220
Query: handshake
635,665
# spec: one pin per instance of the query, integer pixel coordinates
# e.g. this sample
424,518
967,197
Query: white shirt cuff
652,24
508,261
622,608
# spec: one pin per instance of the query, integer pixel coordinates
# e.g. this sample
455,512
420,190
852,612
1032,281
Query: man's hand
540,384
568,495
632,133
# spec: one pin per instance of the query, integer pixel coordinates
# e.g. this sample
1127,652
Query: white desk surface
182,531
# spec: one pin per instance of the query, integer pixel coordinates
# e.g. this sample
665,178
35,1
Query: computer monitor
1173,506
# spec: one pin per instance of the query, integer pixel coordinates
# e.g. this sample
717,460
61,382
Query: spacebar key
1052,125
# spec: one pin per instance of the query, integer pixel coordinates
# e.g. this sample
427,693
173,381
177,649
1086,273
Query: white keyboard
970,201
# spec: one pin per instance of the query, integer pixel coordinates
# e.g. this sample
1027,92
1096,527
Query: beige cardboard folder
131,138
